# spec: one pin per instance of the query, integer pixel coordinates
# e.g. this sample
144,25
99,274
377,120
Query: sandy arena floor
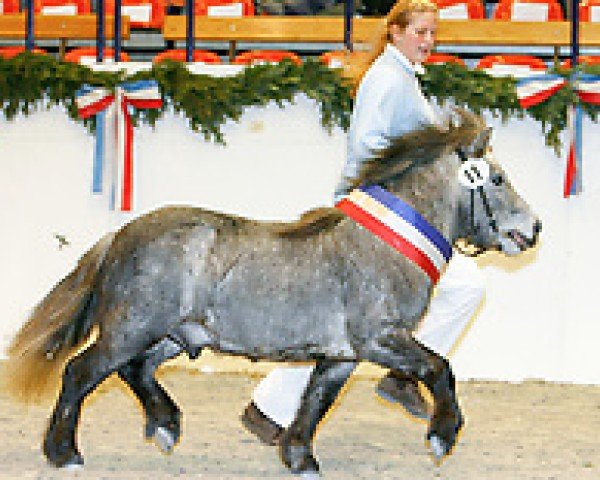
526,431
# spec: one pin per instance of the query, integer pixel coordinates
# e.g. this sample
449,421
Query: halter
475,176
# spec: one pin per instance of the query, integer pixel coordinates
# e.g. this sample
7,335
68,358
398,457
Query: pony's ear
481,143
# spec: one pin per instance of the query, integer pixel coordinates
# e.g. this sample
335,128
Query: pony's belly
280,319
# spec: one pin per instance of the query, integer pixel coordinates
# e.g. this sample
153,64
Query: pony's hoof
438,448
310,475
73,467
164,439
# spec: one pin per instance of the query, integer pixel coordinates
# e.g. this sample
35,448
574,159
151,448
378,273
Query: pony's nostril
537,227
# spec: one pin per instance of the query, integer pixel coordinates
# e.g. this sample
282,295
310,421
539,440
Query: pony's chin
509,248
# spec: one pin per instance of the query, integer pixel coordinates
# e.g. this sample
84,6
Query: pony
322,288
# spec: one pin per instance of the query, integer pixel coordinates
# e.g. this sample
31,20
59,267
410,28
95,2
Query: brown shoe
396,388
260,425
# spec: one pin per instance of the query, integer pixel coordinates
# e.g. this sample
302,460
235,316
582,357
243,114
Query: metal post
189,38
29,42
574,32
100,42
117,32
578,114
348,15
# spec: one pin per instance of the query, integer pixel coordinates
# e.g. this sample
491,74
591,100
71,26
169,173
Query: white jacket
389,103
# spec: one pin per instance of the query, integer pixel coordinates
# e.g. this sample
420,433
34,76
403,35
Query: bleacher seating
254,57
224,8
10,52
62,7
179,55
539,10
444,58
88,55
589,11
460,9
9,6
141,13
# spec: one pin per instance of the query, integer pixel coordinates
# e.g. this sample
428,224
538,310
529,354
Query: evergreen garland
31,81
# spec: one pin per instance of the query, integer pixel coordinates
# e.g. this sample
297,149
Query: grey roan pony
181,279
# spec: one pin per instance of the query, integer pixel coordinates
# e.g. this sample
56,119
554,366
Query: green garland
28,82
479,91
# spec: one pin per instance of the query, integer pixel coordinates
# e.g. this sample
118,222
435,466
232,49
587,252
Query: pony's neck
431,190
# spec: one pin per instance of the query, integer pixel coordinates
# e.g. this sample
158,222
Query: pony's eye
497,179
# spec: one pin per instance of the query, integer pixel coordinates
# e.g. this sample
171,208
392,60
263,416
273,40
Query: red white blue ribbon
534,90
114,135
400,226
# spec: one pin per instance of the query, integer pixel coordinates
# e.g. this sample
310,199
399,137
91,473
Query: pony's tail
57,326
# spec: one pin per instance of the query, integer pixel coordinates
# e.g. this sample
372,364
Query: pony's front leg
398,350
325,383
163,417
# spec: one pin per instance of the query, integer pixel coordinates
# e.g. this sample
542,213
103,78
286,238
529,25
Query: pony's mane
420,147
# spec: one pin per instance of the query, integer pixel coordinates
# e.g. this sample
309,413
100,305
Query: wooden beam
59,26
331,29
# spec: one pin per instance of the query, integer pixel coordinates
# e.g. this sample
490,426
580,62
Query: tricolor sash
538,88
400,226
114,134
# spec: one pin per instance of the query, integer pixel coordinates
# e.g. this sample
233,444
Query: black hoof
63,456
442,437
438,448
299,459
165,434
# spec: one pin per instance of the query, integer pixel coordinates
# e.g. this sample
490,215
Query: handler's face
416,41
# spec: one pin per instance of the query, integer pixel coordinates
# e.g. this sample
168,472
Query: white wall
538,319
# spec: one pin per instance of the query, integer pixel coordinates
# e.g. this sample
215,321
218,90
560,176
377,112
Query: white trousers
457,297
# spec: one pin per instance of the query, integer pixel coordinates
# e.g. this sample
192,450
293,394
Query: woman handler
389,103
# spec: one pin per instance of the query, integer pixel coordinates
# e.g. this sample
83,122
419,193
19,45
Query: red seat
474,8
337,58
504,10
10,52
534,63
179,55
62,7
77,54
9,6
586,7
437,58
224,8
141,13
583,59
253,57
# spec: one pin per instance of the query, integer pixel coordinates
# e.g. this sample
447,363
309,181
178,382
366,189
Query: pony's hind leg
81,376
163,417
398,350
325,383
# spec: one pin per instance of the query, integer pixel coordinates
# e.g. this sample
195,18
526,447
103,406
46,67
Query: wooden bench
331,30
61,27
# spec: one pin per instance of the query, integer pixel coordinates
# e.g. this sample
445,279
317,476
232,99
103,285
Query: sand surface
531,430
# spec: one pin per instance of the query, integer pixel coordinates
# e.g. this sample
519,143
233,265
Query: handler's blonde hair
401,15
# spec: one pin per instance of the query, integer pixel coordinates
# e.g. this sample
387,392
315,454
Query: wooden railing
331,29
59,27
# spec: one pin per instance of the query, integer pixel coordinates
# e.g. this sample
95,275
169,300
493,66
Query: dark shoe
405,391
260,425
